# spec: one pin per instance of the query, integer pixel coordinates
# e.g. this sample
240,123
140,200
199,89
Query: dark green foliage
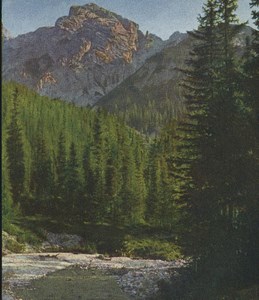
60,189
77,164
250,216
162,202
72,185
214,157
252,65
15,152
42,180
89,207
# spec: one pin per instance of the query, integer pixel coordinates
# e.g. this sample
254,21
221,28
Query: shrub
151,248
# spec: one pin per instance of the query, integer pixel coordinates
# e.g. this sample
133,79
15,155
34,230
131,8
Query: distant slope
152,96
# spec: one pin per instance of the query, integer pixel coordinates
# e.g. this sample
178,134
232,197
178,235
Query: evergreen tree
90,206
212,150
252,64
128,174
250,213
112,190
72,201
140,187
154,188
199,86
15,153
60,188
100,148
8,211
42,179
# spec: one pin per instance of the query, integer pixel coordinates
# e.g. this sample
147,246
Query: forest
79,164
198,179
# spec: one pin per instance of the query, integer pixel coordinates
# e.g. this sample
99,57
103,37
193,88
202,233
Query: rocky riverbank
137,278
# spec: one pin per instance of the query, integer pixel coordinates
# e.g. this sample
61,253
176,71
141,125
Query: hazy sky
161,17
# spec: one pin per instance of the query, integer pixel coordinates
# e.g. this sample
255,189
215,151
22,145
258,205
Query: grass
24,234
14,246
18,236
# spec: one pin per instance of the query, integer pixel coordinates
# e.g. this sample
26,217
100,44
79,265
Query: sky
161,17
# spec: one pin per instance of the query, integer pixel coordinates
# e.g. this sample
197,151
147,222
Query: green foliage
216,158
14,246
162,202
41,179
65,155
150,248
15,153
16,236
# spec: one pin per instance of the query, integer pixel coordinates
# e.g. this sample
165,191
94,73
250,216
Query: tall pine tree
212,155
60,164
73,194
42,179
15,153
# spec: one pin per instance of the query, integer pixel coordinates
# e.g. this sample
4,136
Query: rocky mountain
80,59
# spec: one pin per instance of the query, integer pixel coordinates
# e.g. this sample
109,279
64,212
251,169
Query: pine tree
72,201
211,150
15,153
154,186
8,211
252,64
42,179
90,206
193,133
128,174
100,154
250,214
112,190
60,188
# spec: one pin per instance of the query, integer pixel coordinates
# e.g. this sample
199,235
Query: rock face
83,57
6,35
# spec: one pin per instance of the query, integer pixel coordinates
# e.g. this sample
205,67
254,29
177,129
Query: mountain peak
76,10
85,55
177,37
90,14
110,35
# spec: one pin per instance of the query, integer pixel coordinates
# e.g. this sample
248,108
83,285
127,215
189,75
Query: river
127,278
